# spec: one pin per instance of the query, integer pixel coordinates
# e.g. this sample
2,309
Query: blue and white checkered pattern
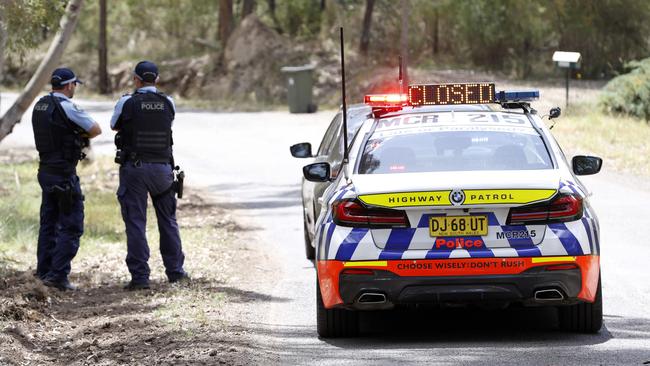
578,237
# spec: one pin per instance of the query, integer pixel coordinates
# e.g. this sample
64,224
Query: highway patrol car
454,194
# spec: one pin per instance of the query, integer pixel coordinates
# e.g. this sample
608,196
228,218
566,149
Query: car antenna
401,77
345,109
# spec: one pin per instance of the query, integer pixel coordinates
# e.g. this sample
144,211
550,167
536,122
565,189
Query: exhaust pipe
372,298
548,295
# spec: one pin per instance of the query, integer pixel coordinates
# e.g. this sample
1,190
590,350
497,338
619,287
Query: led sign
445,94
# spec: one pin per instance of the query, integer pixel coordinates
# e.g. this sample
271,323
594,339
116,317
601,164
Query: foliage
29,22
629,93
608,33
503,35
514,37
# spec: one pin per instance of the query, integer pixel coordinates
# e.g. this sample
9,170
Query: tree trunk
248,7
404,49
44,71
365,32
3,44
225,21
436,35
274,18
104,83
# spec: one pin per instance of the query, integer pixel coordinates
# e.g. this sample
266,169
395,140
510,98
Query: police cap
146,71
63,76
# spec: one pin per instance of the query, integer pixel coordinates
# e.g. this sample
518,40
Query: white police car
455,194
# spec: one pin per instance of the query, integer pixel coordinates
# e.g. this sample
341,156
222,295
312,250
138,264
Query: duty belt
66,172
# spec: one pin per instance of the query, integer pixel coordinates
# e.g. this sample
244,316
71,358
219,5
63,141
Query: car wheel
310,252
334,323
583,317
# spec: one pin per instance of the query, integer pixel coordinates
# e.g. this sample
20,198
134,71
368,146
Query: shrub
629,93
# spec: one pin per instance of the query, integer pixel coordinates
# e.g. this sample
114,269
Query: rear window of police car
453,142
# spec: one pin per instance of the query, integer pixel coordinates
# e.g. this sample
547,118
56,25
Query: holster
120,157
65,197
178,183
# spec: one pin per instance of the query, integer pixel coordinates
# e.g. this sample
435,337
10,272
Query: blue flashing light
516,96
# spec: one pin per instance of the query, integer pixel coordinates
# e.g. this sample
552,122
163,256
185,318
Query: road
243,161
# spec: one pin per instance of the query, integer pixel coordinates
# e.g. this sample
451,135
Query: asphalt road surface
243,160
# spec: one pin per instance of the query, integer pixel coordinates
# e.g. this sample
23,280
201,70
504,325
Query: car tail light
354,213
561,208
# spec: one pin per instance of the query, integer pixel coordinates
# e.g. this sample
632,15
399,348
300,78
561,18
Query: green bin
299,88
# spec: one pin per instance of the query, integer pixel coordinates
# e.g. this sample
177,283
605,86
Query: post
566,104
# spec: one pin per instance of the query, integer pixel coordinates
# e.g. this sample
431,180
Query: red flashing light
385,100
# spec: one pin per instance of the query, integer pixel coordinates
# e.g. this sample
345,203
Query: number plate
458,225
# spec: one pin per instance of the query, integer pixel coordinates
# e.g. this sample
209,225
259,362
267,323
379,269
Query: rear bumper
458,281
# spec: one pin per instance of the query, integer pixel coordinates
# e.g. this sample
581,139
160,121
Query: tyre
310,252
334,323
583,317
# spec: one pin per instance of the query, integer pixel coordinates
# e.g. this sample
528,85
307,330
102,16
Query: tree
225,21
365,32
44,71
248,7
3,43
274,17
104,85
404,40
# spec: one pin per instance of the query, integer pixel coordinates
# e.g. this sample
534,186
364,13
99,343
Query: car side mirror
554,113
317,172
301,150
586,165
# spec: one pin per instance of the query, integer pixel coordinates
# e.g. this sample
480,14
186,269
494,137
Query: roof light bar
381,100
516,96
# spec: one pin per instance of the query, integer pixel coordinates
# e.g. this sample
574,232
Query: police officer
144,141
61,130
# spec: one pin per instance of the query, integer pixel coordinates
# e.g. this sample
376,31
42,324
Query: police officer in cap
144,141
61,130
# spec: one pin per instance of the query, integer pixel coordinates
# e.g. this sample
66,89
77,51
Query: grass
20,197
209,243
103,244
620,140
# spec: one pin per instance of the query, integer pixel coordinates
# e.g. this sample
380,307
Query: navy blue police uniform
58,127
144,141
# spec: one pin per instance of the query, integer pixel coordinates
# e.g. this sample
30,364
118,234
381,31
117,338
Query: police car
454,194
331,151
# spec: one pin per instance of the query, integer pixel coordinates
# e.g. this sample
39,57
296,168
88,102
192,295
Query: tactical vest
57,140
146,128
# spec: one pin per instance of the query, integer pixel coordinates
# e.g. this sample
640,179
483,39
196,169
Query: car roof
427,120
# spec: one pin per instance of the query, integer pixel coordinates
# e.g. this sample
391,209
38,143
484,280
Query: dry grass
621,141
101,323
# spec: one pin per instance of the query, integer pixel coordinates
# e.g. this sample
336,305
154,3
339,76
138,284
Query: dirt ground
101,324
